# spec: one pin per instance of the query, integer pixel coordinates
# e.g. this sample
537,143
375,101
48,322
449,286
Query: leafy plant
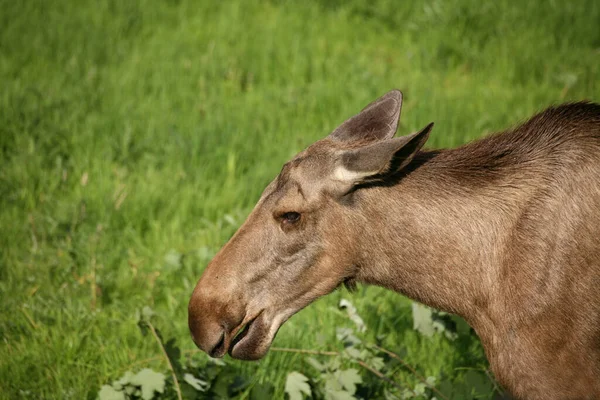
334,382
296,386
337,377
143,385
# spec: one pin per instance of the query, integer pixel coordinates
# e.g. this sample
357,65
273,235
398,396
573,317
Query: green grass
130,130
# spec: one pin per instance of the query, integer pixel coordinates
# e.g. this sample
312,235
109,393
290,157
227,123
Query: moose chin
503,231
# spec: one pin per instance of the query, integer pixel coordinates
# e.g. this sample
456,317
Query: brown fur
504,231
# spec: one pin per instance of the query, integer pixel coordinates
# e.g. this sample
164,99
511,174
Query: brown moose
504,231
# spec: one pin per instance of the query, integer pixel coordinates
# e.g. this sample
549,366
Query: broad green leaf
431,381
316,364
332,383
239,383
147,313
149,382
225,383
349,378
389,396
365,354
353,315
462,328
220,386
109,393
353,353
339,395
296,386
334,364
123,381
196,383
216,361
479,382
377,363
420,388
346,336
428,321
422,319
440,326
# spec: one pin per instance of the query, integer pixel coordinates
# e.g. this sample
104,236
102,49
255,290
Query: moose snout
212,321
208,334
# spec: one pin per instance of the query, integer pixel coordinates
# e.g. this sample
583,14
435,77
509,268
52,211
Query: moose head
302,240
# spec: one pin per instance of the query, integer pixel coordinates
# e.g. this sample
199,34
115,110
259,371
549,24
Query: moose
503,231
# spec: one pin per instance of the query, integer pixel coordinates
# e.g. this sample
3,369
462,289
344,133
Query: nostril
219,349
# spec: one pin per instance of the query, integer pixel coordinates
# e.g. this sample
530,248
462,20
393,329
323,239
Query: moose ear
374,160
377,121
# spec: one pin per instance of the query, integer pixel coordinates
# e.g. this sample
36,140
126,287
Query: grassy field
135,137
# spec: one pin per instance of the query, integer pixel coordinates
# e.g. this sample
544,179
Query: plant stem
166,356
31,321
379,375
493,380
317,352
93,287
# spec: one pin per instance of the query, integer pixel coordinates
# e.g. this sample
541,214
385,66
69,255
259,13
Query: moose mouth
253,341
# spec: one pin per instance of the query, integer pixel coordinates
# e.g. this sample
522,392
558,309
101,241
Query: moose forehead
305,173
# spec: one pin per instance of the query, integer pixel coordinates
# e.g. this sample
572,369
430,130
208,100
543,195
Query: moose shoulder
504,231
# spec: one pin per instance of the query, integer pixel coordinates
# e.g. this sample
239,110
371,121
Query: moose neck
437,235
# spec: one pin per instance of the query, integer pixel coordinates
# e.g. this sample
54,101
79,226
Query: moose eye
290,217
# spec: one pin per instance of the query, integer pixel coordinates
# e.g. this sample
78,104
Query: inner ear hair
377,121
